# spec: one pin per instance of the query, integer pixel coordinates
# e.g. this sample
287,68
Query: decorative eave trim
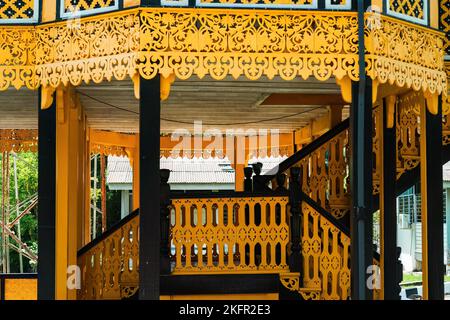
406,55
18,140
219,43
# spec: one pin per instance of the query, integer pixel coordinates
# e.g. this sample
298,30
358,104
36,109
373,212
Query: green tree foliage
27,180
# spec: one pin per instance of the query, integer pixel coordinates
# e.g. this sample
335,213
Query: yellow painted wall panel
20,289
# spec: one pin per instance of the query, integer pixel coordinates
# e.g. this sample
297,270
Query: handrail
181,195
230,233
108,232
337,223
307,150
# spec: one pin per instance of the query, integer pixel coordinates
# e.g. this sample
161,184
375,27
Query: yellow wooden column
70,130
48,10
86,233
434,14
238,165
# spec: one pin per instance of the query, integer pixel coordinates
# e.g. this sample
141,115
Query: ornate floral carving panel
405,55
92,50
248,43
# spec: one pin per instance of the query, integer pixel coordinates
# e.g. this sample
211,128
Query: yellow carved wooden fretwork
326,256
291,281
94,50
446,121
406,55
248,234
408,145
108,150
325,175
17,57
110,269
249,43
377,127
21,140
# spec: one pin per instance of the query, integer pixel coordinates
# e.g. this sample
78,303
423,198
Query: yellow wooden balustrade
226,235
109,268
325,175
326,256
238,234
326,260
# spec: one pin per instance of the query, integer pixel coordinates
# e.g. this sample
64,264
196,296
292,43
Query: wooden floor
227,104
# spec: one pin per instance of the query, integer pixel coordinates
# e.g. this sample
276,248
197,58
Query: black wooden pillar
149,197
295,190
361,172
165,222
46,200
432,206
388,206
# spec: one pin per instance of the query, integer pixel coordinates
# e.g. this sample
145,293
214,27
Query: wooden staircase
253,233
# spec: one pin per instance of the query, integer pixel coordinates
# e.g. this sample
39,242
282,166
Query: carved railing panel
110,268
324,174
326,256
236,234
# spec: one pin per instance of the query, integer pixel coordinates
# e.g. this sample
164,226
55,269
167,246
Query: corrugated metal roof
185,170
212,170
446,171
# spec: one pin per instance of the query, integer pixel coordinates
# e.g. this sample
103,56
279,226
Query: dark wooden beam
361,172
389,210
298,99
149,228
432,205
46,200
220,284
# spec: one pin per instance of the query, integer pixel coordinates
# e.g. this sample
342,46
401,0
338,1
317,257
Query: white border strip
82,13
331,6
423,21
313,5
28,20
174,3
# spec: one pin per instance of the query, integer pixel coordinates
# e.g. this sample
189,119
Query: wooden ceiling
226,104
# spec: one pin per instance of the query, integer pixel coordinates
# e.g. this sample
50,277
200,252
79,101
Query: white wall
410,240
405,240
